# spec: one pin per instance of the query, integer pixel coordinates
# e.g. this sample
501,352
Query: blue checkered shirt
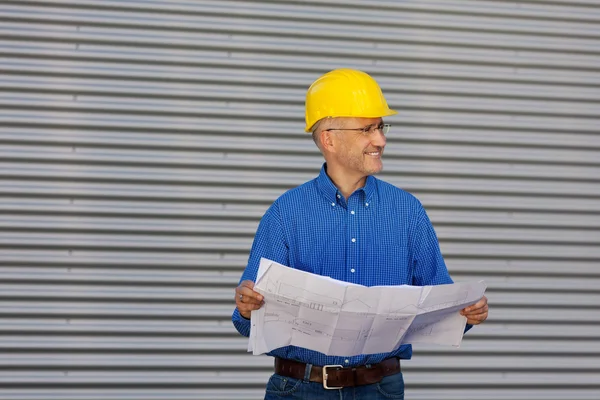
380,236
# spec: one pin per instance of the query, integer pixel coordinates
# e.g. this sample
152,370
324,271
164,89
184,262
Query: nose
378,138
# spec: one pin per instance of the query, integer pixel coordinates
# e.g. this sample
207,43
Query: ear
327,140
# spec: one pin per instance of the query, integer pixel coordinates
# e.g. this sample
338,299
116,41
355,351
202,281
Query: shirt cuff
241,324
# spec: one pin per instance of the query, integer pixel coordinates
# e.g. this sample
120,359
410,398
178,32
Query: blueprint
344,319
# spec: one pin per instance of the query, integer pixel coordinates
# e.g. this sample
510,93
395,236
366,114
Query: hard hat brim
386,113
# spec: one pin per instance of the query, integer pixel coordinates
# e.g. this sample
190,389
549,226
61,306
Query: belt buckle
325,376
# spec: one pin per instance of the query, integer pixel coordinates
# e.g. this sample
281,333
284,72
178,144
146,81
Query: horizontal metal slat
108,292
521,235
226,196
53,76
165,345
155,294
95,104
513,219
122,259
516,392
227,24
504,202
166,312
140,212
483,18
197,378
134,361
527,331
521,267
167,276
224,211
200,244
459,266
210,393
182,294
406,158
170,65
82,118
15,89
73,189
129,226
422,361
186,177
99,327
251,393
190,280
123,309
148,378
518,250
492,330
566,10
403,142
75,241
74,268
537,9
290,141
187,230
245,46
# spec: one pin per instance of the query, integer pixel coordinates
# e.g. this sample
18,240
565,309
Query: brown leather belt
336,376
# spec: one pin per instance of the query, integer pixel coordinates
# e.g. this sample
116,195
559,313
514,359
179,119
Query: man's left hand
477,313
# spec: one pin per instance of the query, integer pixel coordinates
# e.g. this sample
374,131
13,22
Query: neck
346,183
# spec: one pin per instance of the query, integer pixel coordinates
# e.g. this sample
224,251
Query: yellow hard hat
345,93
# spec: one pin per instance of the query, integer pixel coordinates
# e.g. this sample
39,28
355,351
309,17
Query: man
350,226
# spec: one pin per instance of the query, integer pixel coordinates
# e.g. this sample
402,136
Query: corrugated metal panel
141,141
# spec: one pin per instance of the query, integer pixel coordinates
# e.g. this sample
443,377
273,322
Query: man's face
360,152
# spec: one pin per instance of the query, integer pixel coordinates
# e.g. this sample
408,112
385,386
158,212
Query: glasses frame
366,130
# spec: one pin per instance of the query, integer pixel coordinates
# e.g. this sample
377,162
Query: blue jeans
281,387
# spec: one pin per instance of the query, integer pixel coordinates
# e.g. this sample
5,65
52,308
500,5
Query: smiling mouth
373,153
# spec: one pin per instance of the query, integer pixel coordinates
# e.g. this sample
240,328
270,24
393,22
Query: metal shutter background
141,141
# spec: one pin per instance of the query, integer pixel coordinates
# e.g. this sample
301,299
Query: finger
469,310
476,319
474,307
248,295
251,307
480,304
247,300
247,283
476,315
245,309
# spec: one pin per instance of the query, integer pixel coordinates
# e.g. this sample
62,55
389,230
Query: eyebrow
372,125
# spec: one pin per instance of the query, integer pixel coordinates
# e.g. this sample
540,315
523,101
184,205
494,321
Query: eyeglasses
367,130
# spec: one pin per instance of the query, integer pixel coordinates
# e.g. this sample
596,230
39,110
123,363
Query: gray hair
315,132
323,124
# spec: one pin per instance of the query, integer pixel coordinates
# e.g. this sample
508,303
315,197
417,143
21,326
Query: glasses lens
385,128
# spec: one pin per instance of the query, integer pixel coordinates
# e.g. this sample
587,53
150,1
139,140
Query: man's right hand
247,299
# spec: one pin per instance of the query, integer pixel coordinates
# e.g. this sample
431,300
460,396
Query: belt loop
307,370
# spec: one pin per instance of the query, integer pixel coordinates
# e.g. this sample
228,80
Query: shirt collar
328,189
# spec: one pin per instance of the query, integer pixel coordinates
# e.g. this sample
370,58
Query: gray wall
141,141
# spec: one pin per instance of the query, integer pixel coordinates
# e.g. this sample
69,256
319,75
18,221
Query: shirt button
346,361
338,196
366,204
332,204
352,270
352,212
353,240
